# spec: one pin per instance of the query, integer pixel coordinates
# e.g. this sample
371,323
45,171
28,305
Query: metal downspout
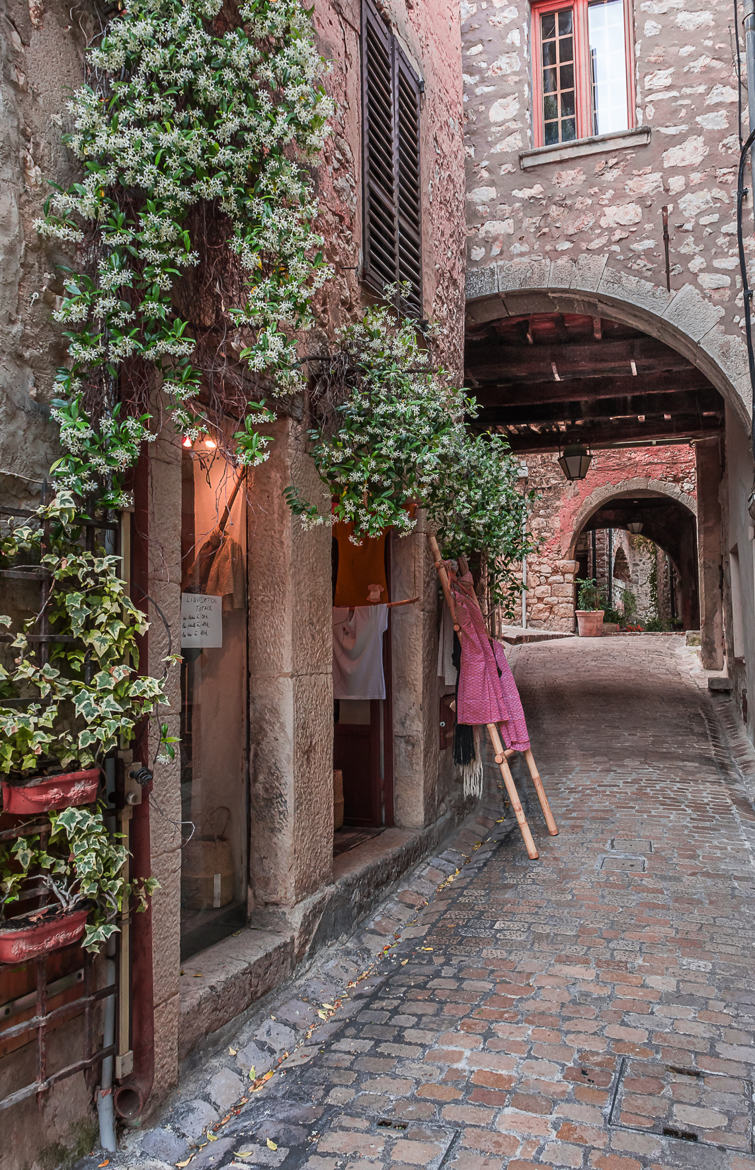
749,30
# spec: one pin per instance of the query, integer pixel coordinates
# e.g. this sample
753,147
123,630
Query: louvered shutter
392,206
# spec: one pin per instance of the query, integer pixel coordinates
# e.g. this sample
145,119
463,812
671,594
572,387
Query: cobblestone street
593,1009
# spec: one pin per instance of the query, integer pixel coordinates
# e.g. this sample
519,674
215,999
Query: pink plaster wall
561,509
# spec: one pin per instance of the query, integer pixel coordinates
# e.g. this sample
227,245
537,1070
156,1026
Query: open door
362,722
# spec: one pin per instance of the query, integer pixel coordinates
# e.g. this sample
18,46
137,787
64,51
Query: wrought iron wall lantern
575,461
635,527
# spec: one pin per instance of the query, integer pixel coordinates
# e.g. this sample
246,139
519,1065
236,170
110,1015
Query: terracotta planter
20,943
62,791
590,623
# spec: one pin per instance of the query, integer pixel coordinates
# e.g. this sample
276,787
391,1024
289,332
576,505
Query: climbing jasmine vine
183,110
393,431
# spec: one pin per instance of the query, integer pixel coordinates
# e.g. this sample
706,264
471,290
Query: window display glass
213,700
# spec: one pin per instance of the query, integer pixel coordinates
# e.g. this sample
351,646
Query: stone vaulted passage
593,1009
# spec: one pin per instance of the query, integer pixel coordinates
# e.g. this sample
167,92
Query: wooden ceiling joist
606,433
508,394
486,362
681,402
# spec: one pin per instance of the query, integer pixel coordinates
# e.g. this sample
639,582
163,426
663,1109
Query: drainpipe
524,477
749,27
134,1088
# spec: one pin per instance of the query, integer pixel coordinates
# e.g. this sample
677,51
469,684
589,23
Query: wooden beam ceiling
547,380
681,402
489,362
608,433
505,394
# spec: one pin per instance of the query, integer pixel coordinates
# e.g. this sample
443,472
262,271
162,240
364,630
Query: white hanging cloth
358,651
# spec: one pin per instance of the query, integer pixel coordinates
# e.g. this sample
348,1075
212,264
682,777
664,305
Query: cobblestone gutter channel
592,1011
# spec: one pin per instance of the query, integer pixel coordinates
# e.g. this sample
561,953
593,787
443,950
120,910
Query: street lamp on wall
635,527
575,461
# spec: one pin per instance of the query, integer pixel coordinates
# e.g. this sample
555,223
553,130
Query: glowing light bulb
187,442
210,444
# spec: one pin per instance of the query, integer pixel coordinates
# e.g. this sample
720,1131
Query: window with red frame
581,69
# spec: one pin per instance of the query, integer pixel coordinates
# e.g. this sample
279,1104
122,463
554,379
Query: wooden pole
534,773
508,780
549,818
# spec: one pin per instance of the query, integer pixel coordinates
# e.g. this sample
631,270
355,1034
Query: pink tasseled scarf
487,692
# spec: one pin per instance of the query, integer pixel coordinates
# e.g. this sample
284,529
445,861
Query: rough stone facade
297,896
580,230
561,510
610,203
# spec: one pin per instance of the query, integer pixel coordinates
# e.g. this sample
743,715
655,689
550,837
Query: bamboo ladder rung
501,755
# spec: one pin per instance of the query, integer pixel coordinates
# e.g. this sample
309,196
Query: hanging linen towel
487,691
358,651
446,669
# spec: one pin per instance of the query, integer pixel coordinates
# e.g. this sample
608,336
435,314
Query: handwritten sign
201,620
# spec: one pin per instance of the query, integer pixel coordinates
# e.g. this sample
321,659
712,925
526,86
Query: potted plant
589,608
78,871
61,713
611,620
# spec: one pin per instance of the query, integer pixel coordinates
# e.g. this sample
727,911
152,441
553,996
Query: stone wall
291,699
683,155
41,51
562,508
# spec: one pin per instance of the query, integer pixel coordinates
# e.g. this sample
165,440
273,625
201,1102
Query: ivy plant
87,698
79,863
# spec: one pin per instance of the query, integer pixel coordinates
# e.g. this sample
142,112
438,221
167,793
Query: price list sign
201,621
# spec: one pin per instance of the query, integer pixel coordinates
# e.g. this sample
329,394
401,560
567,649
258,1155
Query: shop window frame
582,72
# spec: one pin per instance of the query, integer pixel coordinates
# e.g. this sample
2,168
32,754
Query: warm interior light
209,443
187,442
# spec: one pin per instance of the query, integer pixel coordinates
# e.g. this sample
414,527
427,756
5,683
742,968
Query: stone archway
685,321
669,519
637,487
682,318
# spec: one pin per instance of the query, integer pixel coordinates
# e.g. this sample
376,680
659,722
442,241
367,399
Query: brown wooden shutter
391,171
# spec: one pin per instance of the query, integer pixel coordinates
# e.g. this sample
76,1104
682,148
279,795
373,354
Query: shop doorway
214,700
362,718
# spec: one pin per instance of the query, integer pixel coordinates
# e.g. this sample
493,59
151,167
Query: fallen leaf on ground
271,1144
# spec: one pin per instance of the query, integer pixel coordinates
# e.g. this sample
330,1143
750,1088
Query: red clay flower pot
590,623
19,943
62,791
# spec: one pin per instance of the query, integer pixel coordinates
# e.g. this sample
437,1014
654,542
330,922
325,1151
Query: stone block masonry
562,508
609,203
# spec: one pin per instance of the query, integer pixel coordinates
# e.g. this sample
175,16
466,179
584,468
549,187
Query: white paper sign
201,620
